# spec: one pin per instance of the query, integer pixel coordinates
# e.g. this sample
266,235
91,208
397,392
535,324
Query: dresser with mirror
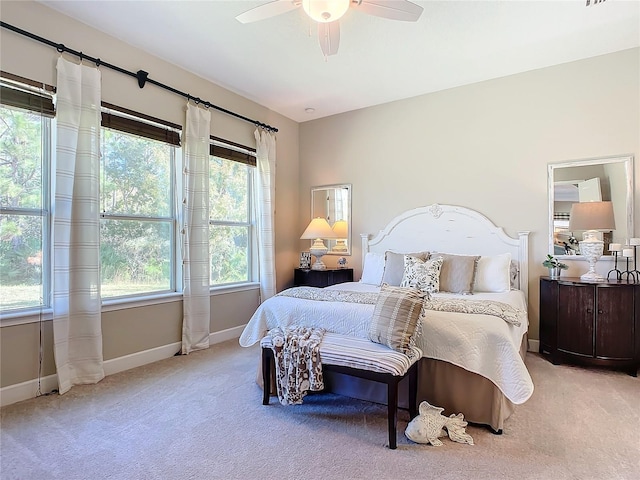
591,323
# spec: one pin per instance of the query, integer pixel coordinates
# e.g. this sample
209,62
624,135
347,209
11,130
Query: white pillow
373,269
492,274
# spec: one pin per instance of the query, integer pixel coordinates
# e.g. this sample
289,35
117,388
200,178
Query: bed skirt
441,384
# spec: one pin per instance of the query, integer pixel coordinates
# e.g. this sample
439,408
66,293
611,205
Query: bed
472,363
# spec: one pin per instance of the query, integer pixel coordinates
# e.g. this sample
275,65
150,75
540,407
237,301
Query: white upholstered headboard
451,229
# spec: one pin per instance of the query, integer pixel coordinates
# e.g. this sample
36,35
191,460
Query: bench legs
267,360
413,390
392,412
391,381
392,402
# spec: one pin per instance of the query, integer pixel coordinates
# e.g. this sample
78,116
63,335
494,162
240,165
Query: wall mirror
333,202
595,179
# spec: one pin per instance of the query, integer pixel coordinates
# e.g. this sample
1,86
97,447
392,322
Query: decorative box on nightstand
321,278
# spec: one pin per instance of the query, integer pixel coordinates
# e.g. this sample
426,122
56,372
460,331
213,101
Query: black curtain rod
140,75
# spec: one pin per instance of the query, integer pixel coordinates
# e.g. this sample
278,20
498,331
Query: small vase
554,272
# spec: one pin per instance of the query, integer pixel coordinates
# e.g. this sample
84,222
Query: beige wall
485,146
132,330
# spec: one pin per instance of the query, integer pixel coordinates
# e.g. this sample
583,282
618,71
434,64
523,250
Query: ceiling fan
328,12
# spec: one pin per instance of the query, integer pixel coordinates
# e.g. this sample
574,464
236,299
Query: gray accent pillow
396,317
458,273
394,266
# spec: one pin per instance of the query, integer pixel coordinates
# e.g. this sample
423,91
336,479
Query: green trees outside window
137,220
139,238
230,226
24,208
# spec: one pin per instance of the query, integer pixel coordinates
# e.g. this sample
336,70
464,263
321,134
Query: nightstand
321,278
590,323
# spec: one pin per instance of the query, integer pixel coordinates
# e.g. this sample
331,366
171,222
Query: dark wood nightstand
321,278
590,323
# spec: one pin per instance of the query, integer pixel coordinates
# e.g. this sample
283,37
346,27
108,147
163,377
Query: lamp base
592,277
592,249
319,265
318,253
340,246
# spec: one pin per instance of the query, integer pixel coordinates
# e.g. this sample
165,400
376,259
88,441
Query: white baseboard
224,335
29,389
534,346
133,360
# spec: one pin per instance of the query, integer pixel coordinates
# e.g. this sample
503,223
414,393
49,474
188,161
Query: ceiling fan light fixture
325,11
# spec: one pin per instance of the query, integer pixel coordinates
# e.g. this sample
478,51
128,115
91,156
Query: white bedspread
482,344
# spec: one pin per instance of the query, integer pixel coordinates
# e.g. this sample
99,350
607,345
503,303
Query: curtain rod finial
142,77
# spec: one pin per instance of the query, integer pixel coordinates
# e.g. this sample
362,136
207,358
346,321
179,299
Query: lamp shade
318,228
341,229
592,216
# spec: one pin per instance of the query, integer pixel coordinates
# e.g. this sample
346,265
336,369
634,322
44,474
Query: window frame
223,149
127,122
234,152
35,99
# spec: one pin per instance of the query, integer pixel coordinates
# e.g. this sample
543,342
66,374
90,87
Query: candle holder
632,275
615,267
635,271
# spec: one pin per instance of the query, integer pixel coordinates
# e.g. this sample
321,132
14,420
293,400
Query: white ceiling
278,63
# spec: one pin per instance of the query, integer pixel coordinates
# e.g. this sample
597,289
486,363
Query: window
231,232
25,157
137,228
138,190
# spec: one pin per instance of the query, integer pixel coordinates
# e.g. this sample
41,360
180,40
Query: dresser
590,323
321,278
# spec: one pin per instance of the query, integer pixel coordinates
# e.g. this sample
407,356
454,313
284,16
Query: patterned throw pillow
397,317
421,274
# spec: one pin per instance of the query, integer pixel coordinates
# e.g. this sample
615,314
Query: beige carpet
201,417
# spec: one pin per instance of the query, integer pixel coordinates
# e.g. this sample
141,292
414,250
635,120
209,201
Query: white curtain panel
195,248
265,205
77,330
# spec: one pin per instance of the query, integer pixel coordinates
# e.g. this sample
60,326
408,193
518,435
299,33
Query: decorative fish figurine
430,425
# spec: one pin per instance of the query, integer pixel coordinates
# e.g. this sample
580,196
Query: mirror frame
627,160
331,243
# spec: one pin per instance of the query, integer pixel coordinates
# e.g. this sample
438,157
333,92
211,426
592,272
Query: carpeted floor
201,417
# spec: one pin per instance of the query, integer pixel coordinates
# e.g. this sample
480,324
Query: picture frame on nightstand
305,260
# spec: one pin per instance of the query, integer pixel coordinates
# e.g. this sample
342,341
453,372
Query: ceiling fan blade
329,36
268,10
393,9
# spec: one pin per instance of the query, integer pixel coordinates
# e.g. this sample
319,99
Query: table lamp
318,229
592,217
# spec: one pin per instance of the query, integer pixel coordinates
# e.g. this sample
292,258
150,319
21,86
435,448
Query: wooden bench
359,357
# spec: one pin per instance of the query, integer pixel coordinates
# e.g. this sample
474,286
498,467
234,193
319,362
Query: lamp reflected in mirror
333,203
341,229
